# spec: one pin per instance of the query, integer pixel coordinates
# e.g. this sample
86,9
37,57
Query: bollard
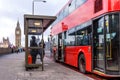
29,59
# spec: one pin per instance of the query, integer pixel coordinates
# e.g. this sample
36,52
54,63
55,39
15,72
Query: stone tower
18,35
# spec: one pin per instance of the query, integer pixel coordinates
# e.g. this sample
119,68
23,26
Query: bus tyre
82,64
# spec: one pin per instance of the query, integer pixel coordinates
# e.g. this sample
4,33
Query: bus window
72,6
98,6
54,41
84,36
66,11
80,2
85,40
70,39
64,41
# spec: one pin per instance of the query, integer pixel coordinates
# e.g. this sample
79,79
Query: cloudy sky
13,10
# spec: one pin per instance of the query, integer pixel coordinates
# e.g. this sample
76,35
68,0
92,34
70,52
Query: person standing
42,46
33,52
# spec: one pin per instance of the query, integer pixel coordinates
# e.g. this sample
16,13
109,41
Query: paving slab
12,68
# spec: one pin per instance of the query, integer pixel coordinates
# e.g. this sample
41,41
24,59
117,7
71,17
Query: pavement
12,68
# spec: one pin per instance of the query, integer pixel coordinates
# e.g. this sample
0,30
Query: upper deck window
98,5
66,11
80,2
69,9
72,6
61,15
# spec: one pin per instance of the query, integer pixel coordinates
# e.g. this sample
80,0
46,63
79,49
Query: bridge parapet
5,50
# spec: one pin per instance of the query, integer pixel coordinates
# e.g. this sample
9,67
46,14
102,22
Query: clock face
18,32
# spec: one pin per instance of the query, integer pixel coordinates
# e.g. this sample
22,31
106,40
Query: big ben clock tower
18,35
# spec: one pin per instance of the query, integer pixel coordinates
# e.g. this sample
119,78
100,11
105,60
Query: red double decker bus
86,35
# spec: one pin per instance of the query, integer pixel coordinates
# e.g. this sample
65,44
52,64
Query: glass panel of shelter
35,44
35,48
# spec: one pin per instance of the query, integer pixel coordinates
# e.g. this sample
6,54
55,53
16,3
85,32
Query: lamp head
44,1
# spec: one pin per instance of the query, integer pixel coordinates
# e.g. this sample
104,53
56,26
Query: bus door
63,46
59,50
106,40
98,45
112,40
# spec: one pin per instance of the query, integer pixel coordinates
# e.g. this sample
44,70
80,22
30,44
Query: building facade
18,35
5,43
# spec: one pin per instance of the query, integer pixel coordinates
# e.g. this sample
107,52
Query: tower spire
18,25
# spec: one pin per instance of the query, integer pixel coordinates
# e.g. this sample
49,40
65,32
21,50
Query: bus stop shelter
35,25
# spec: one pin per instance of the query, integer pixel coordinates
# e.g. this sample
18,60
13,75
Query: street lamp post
33,4
41,24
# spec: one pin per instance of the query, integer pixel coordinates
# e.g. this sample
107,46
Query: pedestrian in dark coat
33,52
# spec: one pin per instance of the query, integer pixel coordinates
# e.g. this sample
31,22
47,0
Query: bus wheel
81,64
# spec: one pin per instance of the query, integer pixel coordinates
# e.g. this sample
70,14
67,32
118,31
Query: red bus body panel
113,5
83,14
71,55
